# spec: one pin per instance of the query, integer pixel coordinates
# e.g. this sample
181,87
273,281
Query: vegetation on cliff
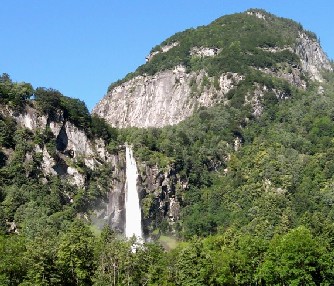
241,39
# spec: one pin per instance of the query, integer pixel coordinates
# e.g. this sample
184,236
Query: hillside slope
201,67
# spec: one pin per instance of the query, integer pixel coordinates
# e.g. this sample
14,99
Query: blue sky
80,46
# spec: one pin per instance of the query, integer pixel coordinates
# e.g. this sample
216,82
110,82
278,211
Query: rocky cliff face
170,96
160,193
112,210
72,144
312,58
158,189
163,49
163,99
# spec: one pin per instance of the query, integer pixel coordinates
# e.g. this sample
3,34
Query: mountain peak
200,67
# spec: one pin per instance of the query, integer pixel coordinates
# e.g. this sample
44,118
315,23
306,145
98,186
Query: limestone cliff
163,99
312,58
161,193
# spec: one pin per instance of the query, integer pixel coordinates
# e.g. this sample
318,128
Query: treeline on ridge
50,102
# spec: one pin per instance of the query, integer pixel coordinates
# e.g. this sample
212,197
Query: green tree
40,259
75,255
114,261
296,258
12,260
151,265
48,101
193,266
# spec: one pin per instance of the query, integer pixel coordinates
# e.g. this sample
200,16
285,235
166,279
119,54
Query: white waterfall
132,207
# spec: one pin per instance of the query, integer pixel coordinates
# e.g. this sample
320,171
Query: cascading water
132,206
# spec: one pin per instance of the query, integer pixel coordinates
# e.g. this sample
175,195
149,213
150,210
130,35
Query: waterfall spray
132,206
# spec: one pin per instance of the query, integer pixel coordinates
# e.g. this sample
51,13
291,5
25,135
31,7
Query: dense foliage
42,208
76,257
265,208
12,94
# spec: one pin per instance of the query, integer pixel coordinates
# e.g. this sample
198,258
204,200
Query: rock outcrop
163,49
204,52
292,74
170,96
112,210
163,99
312,57
257,14
313,61
161,193
72,144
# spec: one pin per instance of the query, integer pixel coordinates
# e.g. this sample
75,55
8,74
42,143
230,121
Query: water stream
132,207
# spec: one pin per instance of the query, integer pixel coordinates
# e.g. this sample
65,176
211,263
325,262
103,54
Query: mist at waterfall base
133,225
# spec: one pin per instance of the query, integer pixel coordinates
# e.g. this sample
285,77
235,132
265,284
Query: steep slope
41,142
199,67
51,144
220,83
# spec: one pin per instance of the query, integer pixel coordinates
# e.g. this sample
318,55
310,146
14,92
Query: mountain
237,110
204,66
234,166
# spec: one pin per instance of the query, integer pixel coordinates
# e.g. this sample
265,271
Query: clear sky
81,46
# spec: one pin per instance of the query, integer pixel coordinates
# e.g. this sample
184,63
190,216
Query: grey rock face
171,96
257,15
160,191
160,194
164,49
112,210
293,75
71,144
204,52
163,99
313,59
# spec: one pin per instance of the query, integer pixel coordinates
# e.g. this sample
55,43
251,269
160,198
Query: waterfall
132,207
